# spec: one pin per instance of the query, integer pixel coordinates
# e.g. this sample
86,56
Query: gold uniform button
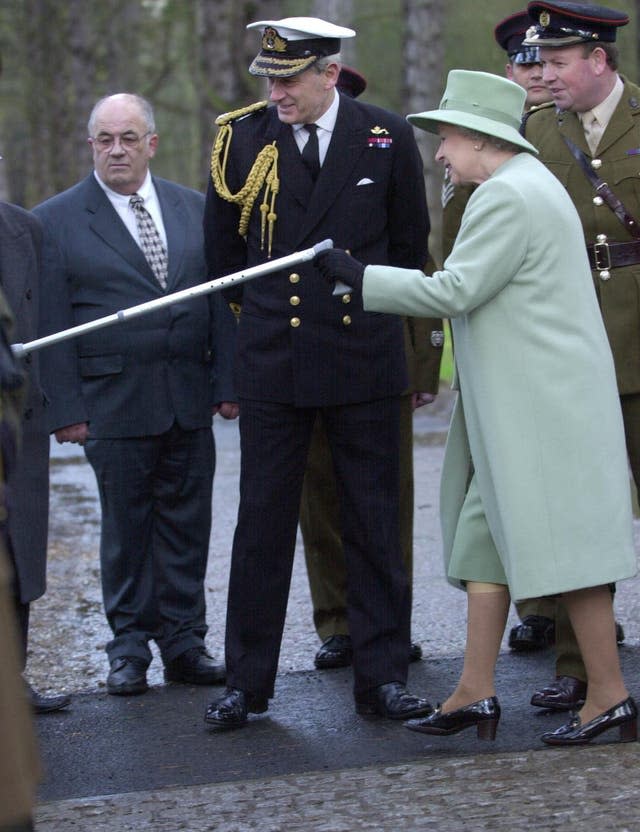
596,164
294,300
295,322
346,298
346,320
294,278
598,200
605,275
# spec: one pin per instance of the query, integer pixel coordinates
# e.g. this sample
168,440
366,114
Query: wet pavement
149,763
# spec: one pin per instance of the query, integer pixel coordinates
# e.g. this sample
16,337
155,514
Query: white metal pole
185,294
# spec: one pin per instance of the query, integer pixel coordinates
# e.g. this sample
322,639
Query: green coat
538,414
618,152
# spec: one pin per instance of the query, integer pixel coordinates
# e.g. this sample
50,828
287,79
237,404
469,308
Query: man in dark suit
139,395
328,167
20,250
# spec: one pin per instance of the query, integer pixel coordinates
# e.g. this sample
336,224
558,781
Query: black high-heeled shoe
484,714
624,715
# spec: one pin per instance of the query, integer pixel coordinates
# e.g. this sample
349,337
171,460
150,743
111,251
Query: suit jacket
538,411
20,250
619,157
135,378
296,342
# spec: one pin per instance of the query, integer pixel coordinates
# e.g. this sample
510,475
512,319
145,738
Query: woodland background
190,59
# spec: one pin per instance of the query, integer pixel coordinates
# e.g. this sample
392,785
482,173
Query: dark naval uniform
301,351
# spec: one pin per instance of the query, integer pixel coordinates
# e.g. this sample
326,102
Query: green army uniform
319,508
617,162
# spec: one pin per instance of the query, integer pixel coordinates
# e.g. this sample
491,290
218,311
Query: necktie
311,151
150,240
592,130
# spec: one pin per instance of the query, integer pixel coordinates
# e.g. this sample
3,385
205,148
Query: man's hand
335,264
73,433
228,410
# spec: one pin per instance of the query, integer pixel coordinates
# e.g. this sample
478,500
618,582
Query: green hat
479,101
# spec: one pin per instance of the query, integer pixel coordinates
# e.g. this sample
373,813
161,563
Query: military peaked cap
564,24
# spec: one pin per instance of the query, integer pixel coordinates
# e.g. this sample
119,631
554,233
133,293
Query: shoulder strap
603,190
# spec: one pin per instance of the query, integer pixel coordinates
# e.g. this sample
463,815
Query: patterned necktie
150,240
311,151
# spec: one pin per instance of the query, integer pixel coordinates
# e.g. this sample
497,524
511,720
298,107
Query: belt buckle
602,256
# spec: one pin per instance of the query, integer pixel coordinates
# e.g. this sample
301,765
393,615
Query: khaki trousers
568,659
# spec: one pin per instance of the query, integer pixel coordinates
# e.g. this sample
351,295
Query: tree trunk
424,55
226,50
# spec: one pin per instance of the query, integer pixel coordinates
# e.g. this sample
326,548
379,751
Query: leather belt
605,256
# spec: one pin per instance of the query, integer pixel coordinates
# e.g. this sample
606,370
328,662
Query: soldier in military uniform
588,136
323,165
319,508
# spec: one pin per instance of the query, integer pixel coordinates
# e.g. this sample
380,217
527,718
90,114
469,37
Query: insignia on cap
272,41
545,18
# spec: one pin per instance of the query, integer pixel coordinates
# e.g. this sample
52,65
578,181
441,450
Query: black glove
335,264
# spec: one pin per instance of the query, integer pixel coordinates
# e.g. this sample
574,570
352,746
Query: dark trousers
155,495
320,526
275,438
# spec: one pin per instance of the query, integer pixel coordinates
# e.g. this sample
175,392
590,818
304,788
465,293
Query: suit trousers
155,495
274,442
321,532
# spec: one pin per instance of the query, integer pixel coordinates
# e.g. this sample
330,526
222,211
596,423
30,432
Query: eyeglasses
129,141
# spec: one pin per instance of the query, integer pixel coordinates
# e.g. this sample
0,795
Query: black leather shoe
624,716
392,701
535,632
128,676
41,704
232,709
484,714
194,667
619,633
563,694
415,652
336,651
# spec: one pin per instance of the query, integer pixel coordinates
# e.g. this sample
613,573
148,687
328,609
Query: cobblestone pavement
589,789
581,789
